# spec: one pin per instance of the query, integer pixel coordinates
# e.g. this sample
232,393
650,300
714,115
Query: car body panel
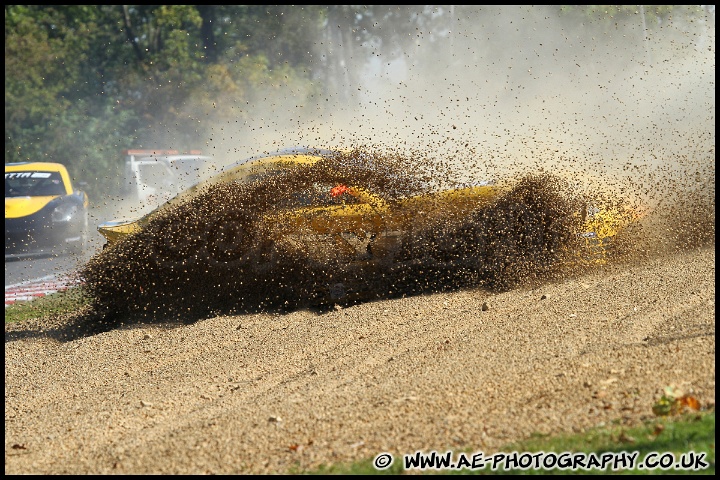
18,207
115,230
371,228
43,213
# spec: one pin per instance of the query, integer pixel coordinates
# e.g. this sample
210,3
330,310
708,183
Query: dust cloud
504,89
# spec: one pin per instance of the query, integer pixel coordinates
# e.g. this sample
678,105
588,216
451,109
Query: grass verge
678,435
58,303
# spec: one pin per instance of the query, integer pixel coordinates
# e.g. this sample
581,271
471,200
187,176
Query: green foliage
85,82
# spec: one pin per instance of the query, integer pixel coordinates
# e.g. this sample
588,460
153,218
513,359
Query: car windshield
33,184
190,171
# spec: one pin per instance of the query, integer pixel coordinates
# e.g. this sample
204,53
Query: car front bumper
39,234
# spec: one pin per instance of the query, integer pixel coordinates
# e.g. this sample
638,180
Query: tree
84,82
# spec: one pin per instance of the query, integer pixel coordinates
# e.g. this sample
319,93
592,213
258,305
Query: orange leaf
690,402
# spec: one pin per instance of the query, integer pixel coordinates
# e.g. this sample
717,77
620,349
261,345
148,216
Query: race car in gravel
338,223
44,213
295,203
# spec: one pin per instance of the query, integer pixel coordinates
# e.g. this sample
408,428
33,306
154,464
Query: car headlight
64,212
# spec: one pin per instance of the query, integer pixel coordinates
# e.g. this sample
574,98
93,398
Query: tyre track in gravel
269,393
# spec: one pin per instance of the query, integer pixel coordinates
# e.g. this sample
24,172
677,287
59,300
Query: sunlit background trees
83,82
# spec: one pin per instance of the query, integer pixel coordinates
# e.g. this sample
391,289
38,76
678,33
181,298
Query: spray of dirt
209,255
680,213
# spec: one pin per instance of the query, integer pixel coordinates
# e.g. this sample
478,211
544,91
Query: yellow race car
340,222
44,213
